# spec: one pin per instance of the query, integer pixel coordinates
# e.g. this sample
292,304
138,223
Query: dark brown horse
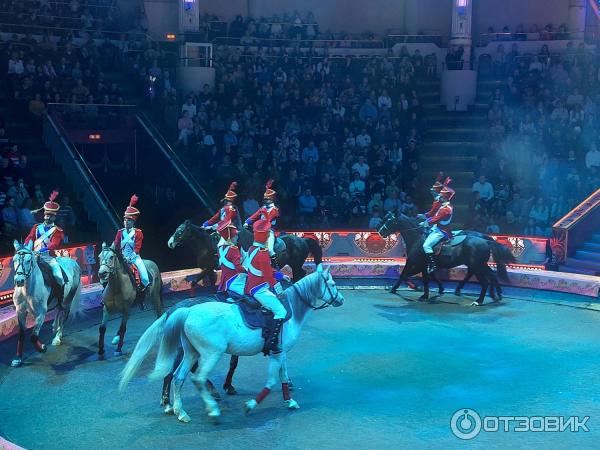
474,252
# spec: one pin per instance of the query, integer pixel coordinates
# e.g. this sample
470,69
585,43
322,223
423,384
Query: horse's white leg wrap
208,360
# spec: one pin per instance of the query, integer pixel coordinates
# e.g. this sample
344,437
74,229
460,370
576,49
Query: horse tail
76,309
170,343
148,340
316,250
503,256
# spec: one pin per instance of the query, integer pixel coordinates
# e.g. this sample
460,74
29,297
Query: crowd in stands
542,154
533,33
82,17
339,135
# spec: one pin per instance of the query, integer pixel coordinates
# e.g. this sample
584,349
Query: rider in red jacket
229,256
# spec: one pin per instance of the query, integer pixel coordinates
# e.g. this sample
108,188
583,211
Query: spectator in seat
26,217
66,216
307,205
361,167
250,205
519,207
485,189
510,225
10,217
357,186
592,157
19,192
186,129
375,219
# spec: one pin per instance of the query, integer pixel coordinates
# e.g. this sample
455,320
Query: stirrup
431,267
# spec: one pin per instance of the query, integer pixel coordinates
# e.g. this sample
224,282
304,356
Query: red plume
232,186
133,201
269,184
447,181
53,195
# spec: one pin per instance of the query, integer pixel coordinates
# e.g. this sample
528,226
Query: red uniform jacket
442,218
434,208
260,271
229,262
271,215
50,244
227,212
137,244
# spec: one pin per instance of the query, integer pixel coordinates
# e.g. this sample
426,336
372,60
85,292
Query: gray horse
32,295
120,293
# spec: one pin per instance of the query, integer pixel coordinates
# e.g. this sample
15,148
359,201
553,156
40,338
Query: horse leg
21,317
285,384
59,325
425,276
274,366
439,284
209,384
190,356
39,321
122,329
483,281
166,390
228,386
102,331
208,361
462,283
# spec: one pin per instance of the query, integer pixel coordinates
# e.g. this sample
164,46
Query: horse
474,252
120,293
204,246
32,295
208,330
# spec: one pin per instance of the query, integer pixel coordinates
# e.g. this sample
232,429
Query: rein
109,268
326,289
21,254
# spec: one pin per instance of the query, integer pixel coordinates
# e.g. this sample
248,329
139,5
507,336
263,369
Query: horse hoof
168,409
393,291
230,390
101,356
441,292
215,394
457,292
476,304
183,417
423,298
214,416
56,342
115,340
17,362
250,405
118,353
292,404
43,348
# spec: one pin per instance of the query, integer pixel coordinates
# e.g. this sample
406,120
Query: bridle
384,225
110,268
326,289
19,268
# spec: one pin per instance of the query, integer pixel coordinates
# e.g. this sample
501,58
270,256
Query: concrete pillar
252,9
189,15
577,18
462,17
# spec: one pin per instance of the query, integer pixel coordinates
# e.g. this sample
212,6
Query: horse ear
103,245
16,245
112,245
320,267
187,221
29,245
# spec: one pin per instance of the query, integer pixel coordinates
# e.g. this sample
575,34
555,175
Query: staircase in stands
586,259
452,143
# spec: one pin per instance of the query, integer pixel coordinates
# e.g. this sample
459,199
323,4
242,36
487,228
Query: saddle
444,247
49,279
254,315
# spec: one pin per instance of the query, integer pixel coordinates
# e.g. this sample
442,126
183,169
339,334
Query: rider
46,238
270,213
129,241
227,212
262,278
439,224
435,192
229,256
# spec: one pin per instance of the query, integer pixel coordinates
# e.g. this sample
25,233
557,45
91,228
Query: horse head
319,287
23,262
181,234
109,261
393,223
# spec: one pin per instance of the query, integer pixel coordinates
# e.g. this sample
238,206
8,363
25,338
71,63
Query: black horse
474,252
204,245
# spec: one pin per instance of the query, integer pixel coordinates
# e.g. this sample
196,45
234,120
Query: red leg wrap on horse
36,341
232,366
262,394
285,389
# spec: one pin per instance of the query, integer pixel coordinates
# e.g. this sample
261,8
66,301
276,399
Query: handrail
94,186
174,159
486,38
339,43
78,30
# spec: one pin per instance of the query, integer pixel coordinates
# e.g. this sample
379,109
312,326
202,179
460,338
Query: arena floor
380,372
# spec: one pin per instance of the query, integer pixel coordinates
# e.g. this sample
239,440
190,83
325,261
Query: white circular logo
465,424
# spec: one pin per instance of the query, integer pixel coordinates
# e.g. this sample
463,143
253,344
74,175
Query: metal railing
407,38
62,31
303,43
486,38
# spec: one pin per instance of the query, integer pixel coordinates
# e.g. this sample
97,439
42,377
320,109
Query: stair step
588,256
583,263
596,237
591,247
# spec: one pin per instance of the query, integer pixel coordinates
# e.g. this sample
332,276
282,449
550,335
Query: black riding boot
141,296
272,341
275,262
430,263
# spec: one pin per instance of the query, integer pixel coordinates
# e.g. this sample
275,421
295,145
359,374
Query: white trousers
270,301
141,267
55,267
434,236
271,243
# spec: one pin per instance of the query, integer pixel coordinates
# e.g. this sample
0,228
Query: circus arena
299,225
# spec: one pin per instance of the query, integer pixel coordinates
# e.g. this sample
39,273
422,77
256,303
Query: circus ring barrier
356,255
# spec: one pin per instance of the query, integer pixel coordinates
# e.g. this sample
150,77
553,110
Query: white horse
211,329
32,294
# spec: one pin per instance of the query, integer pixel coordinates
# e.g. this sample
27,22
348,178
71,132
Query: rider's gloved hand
246,224
421,217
